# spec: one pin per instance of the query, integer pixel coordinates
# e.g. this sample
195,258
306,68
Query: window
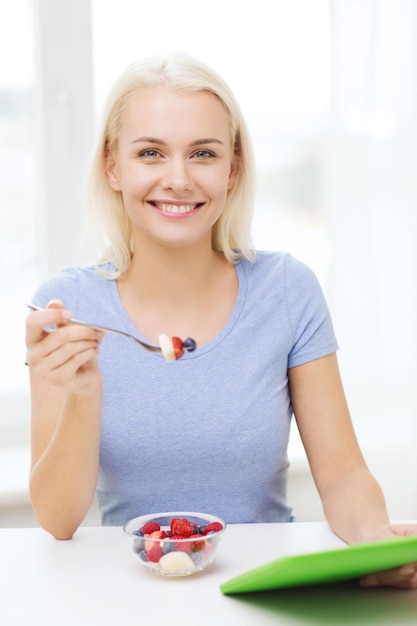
17,192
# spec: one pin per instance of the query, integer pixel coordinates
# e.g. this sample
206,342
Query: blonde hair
232,232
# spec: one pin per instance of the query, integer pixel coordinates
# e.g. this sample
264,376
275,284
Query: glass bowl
175,543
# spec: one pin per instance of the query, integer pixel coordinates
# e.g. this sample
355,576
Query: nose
176,175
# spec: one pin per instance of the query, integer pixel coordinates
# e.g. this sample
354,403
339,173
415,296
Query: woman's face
174,164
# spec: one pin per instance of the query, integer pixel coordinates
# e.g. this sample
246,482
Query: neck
166,275
189,292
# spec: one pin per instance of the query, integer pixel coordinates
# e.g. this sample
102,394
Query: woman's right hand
66,356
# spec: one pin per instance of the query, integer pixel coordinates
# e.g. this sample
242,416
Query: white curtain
371,203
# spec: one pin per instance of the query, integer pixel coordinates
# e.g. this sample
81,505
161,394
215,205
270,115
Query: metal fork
147,346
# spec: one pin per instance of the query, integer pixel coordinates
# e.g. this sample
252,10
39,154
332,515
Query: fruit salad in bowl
175,543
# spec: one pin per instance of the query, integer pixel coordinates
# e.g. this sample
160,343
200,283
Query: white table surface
95,580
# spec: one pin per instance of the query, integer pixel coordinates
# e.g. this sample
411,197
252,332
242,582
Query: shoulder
278,267
282,280
69,285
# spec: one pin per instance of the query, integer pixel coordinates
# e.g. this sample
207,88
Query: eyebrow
198,142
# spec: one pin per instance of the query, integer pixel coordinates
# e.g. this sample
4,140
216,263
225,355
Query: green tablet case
325,567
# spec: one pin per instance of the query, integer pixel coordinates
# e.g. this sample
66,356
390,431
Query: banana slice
176,562
167,347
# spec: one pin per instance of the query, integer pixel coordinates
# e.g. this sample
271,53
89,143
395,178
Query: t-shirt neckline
127,325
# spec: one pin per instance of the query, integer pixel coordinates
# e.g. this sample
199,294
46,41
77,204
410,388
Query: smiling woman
94,432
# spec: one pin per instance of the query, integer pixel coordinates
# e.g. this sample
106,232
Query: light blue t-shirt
208,432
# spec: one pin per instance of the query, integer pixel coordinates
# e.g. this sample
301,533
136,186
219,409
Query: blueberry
138,532
138,545
189,344
168,546
197,529
143,556
197,558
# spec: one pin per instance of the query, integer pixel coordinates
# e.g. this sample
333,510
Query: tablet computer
325,567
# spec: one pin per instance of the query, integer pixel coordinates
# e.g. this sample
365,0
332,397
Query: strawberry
154,554
183,546
213,527
198,545
190,546
178,347
181,528
150,527
157,534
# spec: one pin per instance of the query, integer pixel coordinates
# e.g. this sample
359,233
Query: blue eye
150,153
203,154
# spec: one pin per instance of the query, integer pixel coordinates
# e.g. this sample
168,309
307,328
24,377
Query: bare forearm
355,506
63,481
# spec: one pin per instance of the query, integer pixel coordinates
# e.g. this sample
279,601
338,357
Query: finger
64,352
404,577
72,363
55,304
58,304
404,530
59,345
66,364
38,321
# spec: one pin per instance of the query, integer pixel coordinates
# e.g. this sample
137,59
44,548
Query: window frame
64,121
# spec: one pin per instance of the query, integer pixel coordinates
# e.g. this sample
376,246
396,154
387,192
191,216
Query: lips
176,209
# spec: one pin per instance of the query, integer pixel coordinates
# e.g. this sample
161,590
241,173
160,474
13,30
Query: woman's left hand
404,577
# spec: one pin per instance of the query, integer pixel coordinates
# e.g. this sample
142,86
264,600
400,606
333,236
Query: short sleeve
64,286
312,328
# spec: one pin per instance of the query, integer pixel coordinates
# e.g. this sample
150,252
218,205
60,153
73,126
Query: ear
111,171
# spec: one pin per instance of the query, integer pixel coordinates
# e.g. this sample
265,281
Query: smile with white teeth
175,208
